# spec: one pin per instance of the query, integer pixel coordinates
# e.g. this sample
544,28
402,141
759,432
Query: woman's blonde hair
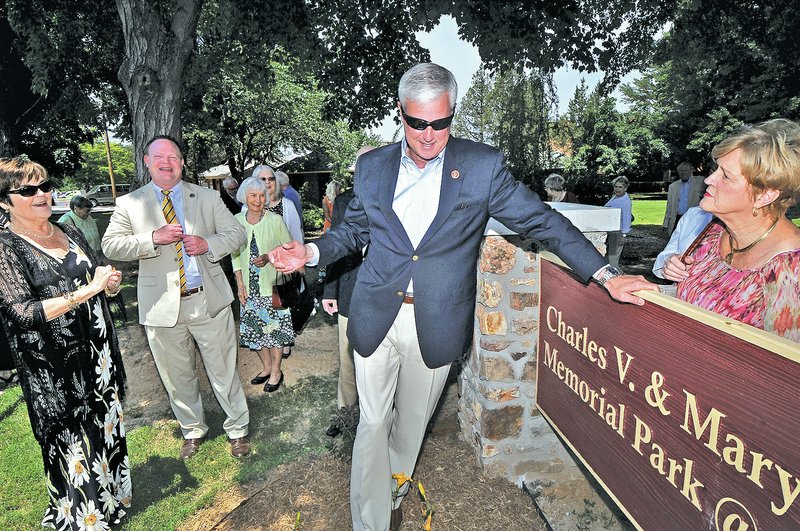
770,159
332,190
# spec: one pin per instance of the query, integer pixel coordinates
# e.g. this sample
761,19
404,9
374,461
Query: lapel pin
191,195
454,174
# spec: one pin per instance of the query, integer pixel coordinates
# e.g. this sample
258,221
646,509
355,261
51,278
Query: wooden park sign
688,420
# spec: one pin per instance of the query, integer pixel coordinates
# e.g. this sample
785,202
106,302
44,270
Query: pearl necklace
19,228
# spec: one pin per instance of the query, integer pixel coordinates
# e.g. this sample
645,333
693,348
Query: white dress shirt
193,277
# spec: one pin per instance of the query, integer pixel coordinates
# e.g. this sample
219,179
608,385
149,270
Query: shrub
312,217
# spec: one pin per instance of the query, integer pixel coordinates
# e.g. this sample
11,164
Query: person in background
616,239
689,227
556,192
682,195
422,205
80,218
228,195
281,205
179,232
290,193
262,328
55,316
337,291
331,191
747,265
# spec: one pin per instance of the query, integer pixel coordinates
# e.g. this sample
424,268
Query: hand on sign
622,287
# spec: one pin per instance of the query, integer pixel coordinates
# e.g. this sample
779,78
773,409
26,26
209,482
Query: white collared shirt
416,196
193,277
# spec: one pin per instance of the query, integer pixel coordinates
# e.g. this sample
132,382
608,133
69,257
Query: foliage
474,119
511,111
602,143
94,166
58,63
721,63
610,35
340,144
77,62
523,103
246,118
313,217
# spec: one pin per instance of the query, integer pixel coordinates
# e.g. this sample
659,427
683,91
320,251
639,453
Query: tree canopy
356,50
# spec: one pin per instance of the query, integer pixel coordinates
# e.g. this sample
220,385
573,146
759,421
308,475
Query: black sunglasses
29,190
420,125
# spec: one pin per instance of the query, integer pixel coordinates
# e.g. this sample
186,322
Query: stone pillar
498,382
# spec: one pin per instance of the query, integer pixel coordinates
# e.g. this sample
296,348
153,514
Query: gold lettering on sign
736,451
613,414
576,338
735,516
674,471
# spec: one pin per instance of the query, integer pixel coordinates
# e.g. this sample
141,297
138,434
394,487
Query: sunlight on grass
649,212
166,491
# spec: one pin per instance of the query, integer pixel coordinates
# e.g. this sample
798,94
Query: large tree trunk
157,48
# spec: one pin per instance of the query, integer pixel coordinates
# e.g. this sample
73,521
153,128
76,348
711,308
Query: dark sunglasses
29,190
420,125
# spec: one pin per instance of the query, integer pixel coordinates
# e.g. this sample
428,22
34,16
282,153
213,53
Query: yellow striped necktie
169,215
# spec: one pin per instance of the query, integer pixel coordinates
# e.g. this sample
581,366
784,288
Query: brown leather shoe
396,519
240,447
189,448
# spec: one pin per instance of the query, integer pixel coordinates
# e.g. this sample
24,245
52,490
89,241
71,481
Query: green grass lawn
166,490
649,212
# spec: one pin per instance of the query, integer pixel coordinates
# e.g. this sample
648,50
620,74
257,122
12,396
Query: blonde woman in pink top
747,265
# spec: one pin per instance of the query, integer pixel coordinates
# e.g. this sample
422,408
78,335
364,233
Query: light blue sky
463,60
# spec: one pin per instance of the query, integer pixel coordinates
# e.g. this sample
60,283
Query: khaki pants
174,353
397,396
347,394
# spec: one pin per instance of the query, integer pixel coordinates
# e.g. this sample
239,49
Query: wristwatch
606,274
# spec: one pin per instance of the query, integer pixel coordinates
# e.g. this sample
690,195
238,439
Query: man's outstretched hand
623,286
289,257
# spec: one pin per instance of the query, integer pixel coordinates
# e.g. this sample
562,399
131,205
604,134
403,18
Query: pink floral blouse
767,297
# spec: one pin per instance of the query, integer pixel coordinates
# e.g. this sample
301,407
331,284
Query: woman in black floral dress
261,328
55,316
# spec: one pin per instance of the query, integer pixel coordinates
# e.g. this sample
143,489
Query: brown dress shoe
396,519
240,447
189,448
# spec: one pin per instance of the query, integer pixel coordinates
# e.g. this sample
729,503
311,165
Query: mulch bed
318,488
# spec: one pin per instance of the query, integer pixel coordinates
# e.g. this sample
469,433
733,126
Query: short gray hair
251,183
555,182
624,180
281,179
229,181
425,82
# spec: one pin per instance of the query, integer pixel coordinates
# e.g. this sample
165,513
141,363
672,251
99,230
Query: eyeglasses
29,190
420,125
270,179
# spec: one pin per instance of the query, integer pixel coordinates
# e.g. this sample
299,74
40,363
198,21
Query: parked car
101,194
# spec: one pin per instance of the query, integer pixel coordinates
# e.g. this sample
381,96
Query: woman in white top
620,200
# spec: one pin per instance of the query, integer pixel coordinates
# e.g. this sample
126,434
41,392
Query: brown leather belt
192,291
408,299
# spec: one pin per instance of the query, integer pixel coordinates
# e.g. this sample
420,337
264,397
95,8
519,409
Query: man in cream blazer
176,318
682,195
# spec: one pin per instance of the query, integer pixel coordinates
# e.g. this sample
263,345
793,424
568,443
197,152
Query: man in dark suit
422,206
336,294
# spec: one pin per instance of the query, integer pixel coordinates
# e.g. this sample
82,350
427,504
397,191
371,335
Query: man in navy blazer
422,206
